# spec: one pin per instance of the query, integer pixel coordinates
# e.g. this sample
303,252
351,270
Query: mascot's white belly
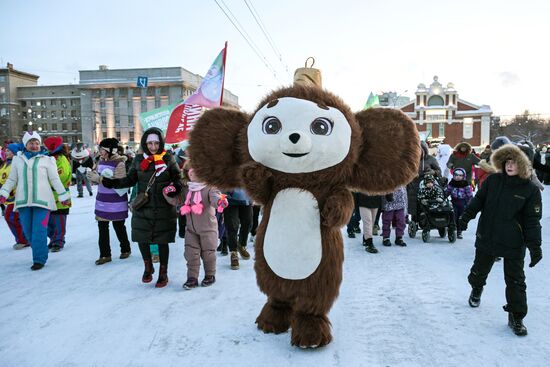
292,243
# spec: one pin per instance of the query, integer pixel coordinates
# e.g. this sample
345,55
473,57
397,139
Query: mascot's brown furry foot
274,318
309,331
298,155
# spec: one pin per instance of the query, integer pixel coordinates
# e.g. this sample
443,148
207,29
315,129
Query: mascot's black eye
321,126
271,125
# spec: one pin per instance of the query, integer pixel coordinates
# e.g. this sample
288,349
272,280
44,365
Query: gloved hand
536,255
462,224
222,203
389,197
439,200
93,176
3,199
424,202
169,191
108,182
66,202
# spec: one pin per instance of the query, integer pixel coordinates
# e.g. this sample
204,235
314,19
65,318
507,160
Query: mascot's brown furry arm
299,154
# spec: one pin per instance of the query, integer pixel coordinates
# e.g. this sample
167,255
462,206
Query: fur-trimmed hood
508,151
463,144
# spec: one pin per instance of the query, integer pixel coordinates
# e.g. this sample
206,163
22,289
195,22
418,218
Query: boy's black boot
475,296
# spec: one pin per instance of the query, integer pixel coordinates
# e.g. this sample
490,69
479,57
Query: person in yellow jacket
57,224
10,215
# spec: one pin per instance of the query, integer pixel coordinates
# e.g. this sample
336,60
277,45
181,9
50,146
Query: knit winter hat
500,141
460,171
32,135
152,137
109,144
53,143
429,178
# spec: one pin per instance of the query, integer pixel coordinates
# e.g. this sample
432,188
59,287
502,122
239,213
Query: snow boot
386,242
515,323
369,246
37,266
19,246
475,296
459,235
234,260
125,255
103,260
163,277
351,234
208,281
399,242
148,272
56,248
375,230
357,229
191,283
244,253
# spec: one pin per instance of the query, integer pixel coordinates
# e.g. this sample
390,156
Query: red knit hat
53,143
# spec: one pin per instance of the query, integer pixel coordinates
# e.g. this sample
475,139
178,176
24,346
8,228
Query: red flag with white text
181,121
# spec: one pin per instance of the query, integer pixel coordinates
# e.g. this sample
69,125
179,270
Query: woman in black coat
510,206
154,222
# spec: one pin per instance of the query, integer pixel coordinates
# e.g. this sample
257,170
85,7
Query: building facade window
104,134
118,135
64,126
63,114
116,103
103,120
131,136
74,126
102,103
73,113
441,130
117,121
53,114
54,127
53,102
436,101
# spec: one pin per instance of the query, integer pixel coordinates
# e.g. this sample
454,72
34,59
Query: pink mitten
2,199
197,208
168,190
222,203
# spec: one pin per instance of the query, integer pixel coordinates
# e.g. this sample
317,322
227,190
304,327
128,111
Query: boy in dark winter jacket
431,194
461,193
510,206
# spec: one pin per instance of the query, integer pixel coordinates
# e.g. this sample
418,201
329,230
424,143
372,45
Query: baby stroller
433,214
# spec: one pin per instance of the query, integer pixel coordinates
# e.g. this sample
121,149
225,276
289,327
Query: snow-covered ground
401,307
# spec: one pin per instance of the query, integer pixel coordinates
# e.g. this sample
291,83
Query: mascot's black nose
294,138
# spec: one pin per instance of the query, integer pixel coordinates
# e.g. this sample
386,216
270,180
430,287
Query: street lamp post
397,98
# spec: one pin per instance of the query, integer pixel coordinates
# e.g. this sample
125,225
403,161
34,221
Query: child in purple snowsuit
461,193
393,206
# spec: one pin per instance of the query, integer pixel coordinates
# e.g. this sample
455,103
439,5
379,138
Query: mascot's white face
295,135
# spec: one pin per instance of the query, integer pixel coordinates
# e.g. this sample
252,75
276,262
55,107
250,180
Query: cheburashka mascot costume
299,154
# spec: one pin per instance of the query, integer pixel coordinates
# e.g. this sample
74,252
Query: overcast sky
495,52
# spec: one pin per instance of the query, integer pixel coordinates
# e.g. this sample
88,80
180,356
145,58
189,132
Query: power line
256,17
249,41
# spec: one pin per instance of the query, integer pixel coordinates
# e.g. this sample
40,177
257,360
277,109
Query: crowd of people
159,187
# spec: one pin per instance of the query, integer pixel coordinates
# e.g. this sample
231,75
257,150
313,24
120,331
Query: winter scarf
160,166
29,154
195,191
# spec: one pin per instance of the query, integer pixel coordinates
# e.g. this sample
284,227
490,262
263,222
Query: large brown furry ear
390,152
217,147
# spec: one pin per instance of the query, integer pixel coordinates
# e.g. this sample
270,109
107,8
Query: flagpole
223,80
